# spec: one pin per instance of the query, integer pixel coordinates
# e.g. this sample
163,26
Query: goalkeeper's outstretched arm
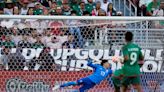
90,64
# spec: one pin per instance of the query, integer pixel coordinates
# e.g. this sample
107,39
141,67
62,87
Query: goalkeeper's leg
64,85
86,82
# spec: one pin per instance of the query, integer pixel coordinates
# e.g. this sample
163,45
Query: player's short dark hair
103,61
128,36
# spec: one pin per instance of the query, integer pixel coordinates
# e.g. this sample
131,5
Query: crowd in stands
57,7
81,7
150,8
55,34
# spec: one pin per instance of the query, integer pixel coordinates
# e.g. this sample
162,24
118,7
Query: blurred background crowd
80,7
71,34
55,34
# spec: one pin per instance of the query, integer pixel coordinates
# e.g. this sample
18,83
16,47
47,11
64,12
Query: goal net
39,52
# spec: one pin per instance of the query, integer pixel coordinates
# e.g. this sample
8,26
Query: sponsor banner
40,81
43,81
77,58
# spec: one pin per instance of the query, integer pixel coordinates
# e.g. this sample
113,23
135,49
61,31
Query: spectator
75,7
38,9
21,25
16,10
1,11
73,13
38,43
24,43
45,3
5,58
39,25
56,27
47,36
31,3
9,7
16,60
144,10
45,11
75,30
159,12
8,42
53,5
111,11
82,8
90,6
87,30
30,11
65,1
102,13
152,6
2,5
24,8
33,36
16,38
7,23
45,62
52,11
110,1
66,9
97,9
59,11
70,43
86,13
55,43
104,5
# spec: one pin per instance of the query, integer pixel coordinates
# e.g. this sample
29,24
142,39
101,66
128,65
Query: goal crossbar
127,18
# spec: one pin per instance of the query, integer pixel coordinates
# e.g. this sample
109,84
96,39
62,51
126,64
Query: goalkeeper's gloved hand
89,61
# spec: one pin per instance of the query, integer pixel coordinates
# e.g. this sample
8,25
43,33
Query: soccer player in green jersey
133,60
116,78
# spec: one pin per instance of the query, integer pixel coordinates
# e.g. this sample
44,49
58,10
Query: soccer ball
117,59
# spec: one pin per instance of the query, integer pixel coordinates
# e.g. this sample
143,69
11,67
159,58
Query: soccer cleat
56,87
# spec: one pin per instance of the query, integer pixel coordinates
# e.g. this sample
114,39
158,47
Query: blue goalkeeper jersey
99,73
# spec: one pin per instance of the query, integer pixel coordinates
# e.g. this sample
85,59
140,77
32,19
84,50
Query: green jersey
134,54
153,6
76,8
116,78
89,7
117,73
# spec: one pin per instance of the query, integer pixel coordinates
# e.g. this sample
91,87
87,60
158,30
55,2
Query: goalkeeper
101,71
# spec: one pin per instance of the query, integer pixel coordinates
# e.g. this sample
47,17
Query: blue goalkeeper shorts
86,84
